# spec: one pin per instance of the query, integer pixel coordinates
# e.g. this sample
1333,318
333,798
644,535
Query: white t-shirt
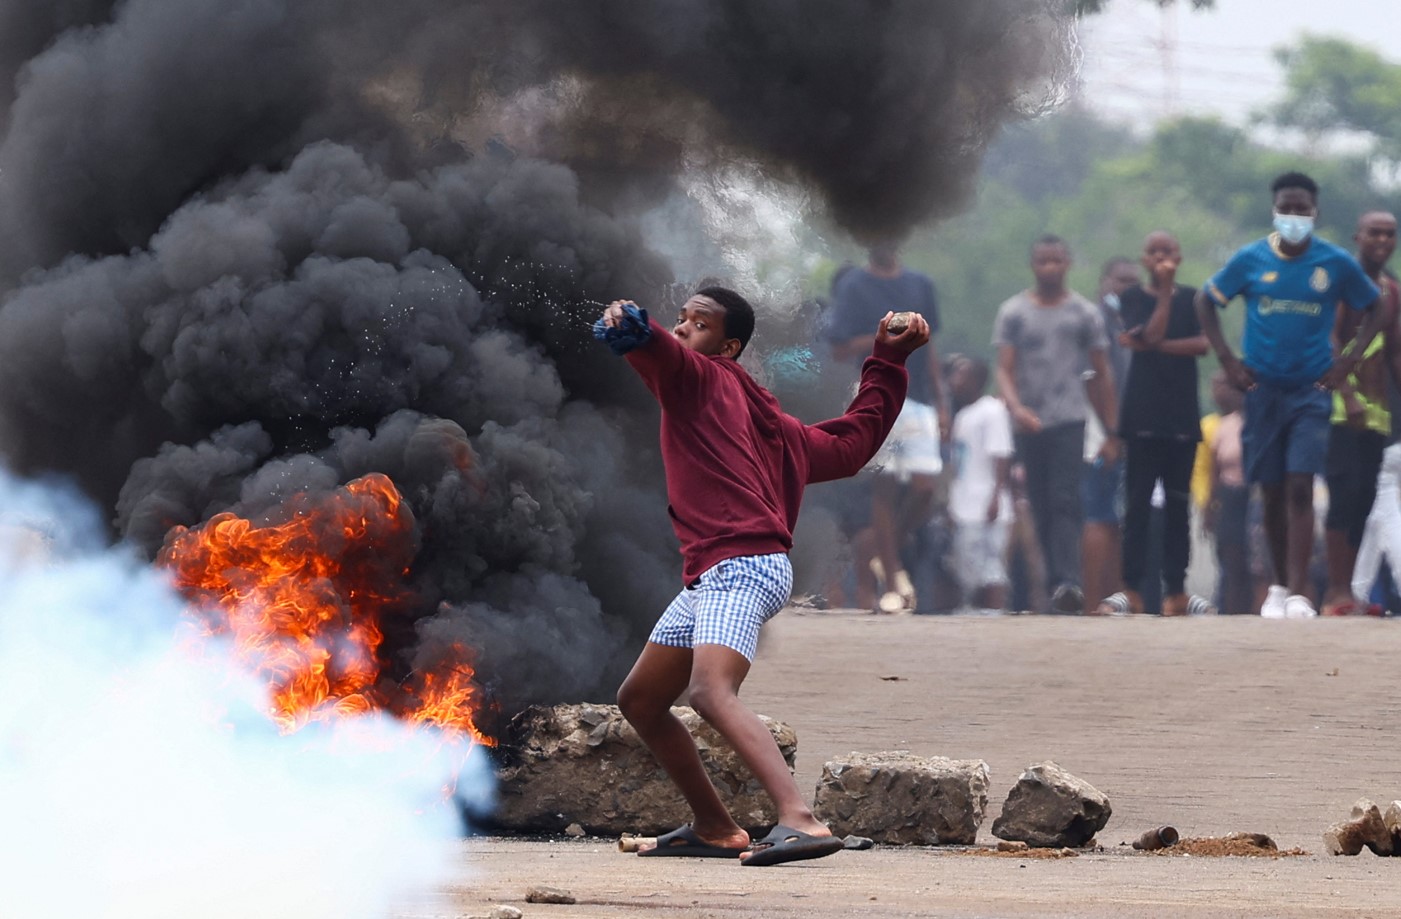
982,434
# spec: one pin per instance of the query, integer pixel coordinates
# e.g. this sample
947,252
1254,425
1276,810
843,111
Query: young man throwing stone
736,466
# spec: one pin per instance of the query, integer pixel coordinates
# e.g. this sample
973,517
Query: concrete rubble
1368,828
584,765
903,799
1392,819
1050,808
549,895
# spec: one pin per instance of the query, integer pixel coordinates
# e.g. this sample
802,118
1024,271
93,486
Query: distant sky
1223,56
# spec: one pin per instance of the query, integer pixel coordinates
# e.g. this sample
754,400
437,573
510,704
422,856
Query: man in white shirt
979,501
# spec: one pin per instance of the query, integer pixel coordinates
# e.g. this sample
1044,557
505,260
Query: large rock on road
1050,808
903,799
585,764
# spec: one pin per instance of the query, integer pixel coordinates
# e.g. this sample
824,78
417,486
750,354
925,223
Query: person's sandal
1201,606
1120,603
1340,608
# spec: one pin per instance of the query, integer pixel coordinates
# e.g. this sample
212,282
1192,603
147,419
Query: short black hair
979,368
1375,212
1050,239
1295,180
739,315
1115,262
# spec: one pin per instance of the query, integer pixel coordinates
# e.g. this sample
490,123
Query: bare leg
885,526
1100,561
991,596
717,674
657,680
917,505
889,520
1024,538
1342,558
1277,528
1299,497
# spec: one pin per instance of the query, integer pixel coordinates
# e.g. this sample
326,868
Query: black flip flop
785,844
683,842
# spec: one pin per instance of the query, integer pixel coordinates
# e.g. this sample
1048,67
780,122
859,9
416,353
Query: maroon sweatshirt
736,465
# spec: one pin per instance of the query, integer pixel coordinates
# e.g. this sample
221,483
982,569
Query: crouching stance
736,466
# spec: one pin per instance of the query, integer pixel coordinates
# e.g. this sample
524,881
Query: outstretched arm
840,447
670,370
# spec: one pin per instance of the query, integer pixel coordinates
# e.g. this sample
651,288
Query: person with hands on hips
1292,283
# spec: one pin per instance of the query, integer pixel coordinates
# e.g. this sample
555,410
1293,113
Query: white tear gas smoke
139,779
256,246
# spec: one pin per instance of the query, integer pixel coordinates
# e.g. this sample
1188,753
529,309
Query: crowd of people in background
1066,474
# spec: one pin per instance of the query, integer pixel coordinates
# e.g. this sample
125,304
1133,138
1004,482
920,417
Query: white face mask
1111,300
1293,228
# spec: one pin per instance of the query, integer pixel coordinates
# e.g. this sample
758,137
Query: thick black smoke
253,247
28,26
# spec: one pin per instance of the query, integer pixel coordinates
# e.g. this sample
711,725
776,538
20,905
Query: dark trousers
1053,459
1150,459
1354,459
1235,592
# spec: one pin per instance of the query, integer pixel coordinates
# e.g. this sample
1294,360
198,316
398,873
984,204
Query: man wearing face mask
1292,283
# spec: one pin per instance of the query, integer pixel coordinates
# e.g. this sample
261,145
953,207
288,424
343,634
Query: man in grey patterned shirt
1045,336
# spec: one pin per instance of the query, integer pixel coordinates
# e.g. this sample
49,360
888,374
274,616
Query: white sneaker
1298,607
1273,607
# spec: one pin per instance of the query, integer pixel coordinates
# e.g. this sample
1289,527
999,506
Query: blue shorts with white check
728,604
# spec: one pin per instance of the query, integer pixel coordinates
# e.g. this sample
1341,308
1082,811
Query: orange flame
303,602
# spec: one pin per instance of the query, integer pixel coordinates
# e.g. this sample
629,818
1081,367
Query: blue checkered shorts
727,604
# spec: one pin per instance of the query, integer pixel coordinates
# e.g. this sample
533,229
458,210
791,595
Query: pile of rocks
1368,827
583,768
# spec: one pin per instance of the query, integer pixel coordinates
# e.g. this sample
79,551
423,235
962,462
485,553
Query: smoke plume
254,247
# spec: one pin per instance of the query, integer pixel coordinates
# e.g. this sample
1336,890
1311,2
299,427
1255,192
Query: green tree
1068,146
1104,190
1334,85
1228,173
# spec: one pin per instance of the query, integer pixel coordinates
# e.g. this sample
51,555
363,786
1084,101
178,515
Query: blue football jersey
1289,305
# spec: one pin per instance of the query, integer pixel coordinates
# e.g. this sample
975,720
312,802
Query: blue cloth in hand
633,332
